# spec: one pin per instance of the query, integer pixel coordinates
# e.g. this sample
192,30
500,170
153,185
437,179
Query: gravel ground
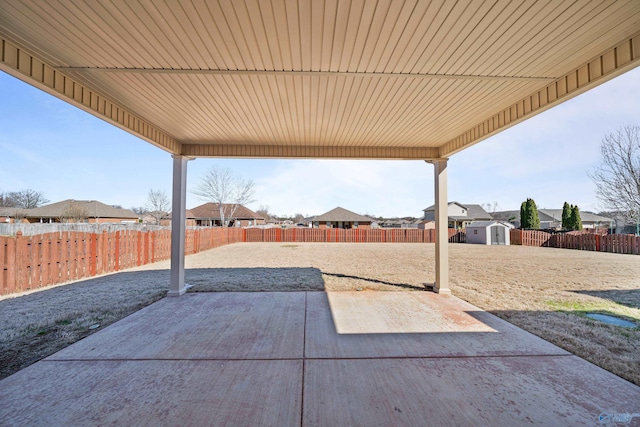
543,290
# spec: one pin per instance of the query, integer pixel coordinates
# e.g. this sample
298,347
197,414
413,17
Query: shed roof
341,214
485,224
400,79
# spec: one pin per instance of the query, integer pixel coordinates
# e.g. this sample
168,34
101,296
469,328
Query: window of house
475,231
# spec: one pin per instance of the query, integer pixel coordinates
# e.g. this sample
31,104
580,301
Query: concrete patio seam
308,358
304,349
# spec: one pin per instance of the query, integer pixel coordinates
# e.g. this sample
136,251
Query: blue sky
50,146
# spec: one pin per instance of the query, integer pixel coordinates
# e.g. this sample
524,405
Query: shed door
498,235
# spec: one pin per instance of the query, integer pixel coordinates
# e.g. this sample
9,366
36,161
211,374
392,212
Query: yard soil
545,291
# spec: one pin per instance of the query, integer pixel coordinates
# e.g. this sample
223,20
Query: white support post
442,227
178,225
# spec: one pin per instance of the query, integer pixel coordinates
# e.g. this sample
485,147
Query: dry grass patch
38,324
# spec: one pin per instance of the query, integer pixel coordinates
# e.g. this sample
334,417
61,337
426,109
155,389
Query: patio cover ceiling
387,79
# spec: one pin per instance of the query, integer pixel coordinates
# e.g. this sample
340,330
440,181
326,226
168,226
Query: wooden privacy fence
355,235
29,262
615,243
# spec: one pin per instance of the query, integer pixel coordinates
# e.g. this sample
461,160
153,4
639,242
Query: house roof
12,212
505,215
433,207
92,209
212,211
556,214
341,214
290,79
473,212
551,215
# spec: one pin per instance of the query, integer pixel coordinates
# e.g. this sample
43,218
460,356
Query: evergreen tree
529,215
576,221
532,213
523,215
566,216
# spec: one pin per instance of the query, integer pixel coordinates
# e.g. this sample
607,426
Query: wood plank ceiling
334,78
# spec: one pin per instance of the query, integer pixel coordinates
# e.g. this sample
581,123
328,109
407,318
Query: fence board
3,264
11,261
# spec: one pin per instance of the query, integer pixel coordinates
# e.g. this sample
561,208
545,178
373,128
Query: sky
50,146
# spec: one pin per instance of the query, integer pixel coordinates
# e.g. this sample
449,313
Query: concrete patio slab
154,393
268,325
494,391
410,324
371,358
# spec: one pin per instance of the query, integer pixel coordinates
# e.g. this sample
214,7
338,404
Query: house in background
489,233
624,225
589,220
407,222
208,215
459,215
427,224
78,211
551,219
150,218
12,215
341,218
512,217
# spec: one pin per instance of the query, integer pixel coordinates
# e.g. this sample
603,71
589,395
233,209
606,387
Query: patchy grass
38,324
545,291
610,308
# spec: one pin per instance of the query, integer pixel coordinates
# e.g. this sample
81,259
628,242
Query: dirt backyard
545,291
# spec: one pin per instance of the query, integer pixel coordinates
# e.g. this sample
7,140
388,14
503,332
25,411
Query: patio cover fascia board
18,62
615,61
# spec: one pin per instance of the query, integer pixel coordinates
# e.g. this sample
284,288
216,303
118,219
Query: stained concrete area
313,359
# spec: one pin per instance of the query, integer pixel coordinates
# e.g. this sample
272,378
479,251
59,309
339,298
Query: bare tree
6,201
263,211
617,177
227,190
75,212
491,208
25,199
139,210
158,205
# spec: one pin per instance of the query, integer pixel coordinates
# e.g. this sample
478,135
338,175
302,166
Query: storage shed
489,233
